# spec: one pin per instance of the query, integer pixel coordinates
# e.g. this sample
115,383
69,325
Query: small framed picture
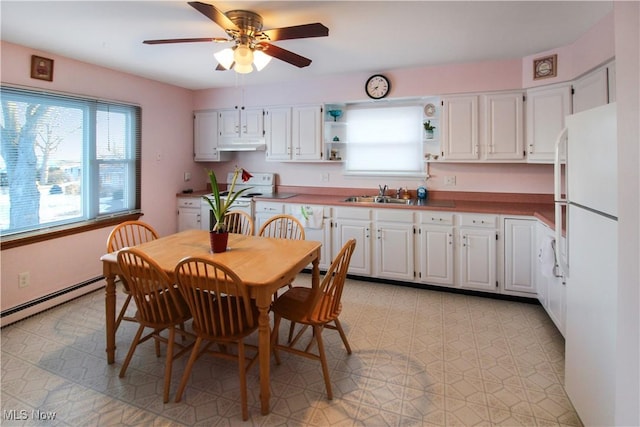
41,68
545,67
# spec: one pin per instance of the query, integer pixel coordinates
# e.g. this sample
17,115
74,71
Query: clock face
377,86
429,110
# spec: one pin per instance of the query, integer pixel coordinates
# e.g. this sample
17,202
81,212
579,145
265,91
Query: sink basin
396,201
378,199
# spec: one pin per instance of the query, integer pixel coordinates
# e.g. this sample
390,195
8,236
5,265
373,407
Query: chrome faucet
382,190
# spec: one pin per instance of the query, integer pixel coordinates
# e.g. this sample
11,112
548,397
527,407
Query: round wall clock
377,86
429,110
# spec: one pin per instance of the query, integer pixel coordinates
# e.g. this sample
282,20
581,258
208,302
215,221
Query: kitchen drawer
269,208
353,213
394,215
434,217
189,202
484,221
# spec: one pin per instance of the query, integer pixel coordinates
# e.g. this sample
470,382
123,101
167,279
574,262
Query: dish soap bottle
422,193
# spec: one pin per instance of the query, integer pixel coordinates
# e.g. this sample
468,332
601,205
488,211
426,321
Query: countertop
538,206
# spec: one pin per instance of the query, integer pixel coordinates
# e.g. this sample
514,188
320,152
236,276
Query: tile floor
420,357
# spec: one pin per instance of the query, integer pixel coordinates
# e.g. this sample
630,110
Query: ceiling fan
252,44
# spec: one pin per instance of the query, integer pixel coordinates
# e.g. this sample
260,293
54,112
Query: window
66,160
384,140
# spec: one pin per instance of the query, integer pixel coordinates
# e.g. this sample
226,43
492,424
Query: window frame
92,219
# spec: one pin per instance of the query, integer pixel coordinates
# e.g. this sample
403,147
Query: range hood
243,145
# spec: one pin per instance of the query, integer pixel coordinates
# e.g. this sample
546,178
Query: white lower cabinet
550,285
435,255
519,255
393,251
477,252
354,223
188,213
321,234
264,211
457,250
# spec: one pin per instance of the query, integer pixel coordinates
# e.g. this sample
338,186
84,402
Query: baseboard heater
51,300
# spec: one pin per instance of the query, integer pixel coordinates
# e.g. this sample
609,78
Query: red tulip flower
246,175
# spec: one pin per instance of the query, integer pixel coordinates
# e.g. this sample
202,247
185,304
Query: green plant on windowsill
220,207
428,129
428,126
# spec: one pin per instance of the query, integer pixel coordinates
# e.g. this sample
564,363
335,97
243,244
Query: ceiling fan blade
297,32
221,68
193,40
285,55
214,14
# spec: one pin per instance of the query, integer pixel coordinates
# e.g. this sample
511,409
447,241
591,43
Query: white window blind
384,140
66,160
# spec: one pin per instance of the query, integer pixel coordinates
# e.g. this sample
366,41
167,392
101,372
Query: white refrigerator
589,259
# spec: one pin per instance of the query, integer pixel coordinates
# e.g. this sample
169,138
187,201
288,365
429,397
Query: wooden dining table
264,264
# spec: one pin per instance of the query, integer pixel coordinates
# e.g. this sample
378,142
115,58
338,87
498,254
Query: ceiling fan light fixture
243,55
260,59
225,57
242,69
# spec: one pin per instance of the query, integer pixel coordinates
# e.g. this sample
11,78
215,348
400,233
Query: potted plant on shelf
428,128
219,234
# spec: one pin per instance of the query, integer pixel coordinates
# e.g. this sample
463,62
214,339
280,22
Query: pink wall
166,129
592,49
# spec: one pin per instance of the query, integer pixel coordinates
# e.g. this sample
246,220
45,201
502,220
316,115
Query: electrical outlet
325,177
450,181
187,176
23,279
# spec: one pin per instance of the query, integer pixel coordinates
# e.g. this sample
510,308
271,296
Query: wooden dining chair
318,308
127,234
160,306
239,222
283,227
223,313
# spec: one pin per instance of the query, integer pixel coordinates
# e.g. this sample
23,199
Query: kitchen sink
397,201
379,199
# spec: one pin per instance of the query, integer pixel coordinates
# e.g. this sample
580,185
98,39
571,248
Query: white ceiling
364,36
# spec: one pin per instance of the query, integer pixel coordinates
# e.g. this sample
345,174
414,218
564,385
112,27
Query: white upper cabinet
241,122
486,127
503,126
306,136
545,110
205,137
294,133
460,128
591,90
277,123
595,89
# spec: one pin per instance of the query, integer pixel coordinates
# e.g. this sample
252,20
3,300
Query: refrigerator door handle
561,145
562,250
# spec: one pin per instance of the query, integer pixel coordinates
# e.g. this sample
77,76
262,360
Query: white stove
259,184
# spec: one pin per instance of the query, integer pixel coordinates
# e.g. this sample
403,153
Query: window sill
63,231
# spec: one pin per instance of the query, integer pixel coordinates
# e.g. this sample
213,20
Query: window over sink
384,140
